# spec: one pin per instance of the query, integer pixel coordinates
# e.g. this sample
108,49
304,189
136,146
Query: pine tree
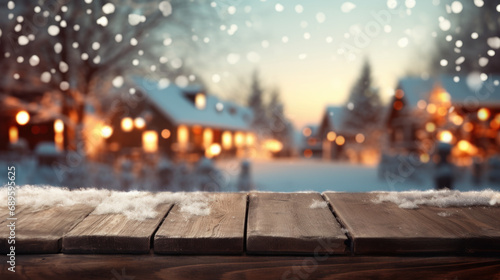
256,104
363,107
281,128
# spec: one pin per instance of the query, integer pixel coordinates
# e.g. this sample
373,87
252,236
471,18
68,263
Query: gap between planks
348,242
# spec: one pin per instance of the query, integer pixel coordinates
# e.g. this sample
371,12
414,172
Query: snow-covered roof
415,89
173,102
461,91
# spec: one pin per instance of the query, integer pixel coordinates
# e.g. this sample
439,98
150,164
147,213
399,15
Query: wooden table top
284,227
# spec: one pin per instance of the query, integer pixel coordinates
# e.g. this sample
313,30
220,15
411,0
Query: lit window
340,140
182,134
208,137
227,142
13,134
58,126
239,139
483,114
200,101
139,123
127,124
165,134
150,141
331,136
106,131
22,117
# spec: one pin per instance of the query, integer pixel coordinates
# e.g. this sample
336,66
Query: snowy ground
310,174
282,175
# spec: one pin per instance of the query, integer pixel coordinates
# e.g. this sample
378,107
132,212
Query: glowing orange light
430,127
463,145
59,136
208,137
306,132
197,129
165,134
457,120
22,117
13,134
182,135
331,136
443,96
106,131
360,138
483,114
442,111
445,136
431,108
150,141
59,141
468,127
139,123
250,139
58,126
398,105
238,139
200,101
467,147
273,145
213,151
424,158
227,141
340,140
127,124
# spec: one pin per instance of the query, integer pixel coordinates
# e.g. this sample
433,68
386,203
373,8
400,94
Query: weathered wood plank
113,233
286,223
385,228
220,232
61,266
41,231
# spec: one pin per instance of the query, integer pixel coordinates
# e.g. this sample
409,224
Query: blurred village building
184,123
333,140
453,109
30,115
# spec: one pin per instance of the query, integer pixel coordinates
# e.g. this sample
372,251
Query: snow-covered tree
364,105
468,38
257,105
74,47
281,128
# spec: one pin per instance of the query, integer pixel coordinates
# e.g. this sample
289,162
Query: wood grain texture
385,228
113,233
285,223
220,232
41,231
62,266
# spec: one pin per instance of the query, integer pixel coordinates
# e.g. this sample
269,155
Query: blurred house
311,146
461,110
29,117
185,123
332,133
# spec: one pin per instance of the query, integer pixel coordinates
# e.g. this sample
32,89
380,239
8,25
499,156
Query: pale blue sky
310,69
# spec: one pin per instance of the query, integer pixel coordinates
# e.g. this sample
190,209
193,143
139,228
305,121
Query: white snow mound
134,205
442,198
318,204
